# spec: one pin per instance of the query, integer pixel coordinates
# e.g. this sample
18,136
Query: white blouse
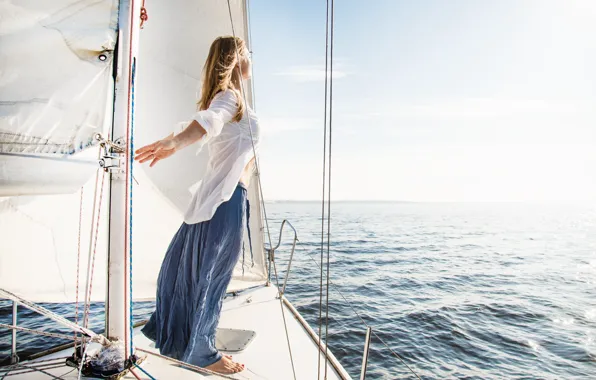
230,150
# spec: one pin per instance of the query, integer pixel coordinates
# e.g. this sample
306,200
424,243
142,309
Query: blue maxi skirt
192,283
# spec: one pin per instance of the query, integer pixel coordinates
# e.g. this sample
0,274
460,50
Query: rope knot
144,16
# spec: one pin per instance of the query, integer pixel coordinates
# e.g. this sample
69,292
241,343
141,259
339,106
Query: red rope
144,16
85,308
134,374
78,266
88,305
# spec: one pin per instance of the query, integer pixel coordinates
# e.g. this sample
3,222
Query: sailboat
82,83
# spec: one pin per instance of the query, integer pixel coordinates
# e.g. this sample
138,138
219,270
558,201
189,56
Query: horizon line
432,201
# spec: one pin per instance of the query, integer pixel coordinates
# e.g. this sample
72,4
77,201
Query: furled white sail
22,174
56,94
55,87
39,234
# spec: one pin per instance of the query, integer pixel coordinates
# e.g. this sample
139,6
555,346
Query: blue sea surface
457,290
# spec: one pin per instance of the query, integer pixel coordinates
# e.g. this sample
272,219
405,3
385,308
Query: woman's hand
157,151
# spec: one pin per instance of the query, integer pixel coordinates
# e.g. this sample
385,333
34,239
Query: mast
118,300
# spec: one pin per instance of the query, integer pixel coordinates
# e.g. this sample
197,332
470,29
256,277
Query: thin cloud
310,73
272,125
482,108
476,108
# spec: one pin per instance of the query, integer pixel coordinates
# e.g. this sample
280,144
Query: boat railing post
283,289
14,358
365,354
272,254
270,258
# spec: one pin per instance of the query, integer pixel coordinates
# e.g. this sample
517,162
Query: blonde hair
222,71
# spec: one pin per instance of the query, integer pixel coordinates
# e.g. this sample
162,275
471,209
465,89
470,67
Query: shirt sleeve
222,109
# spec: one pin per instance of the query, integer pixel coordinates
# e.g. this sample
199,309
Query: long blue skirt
192,283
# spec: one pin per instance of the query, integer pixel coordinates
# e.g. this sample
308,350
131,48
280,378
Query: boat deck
266,357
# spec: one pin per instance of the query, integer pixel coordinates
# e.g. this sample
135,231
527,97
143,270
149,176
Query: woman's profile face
245,64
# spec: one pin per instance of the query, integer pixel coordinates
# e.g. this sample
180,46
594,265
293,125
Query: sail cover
55,87
39,235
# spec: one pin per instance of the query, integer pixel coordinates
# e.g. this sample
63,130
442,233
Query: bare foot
225,365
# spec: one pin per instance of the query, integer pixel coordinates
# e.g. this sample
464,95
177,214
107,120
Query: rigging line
252,73
25,370
145,372
57,360
329,191
38,332
261,192
90,250
82,362
128,155
67,373
336,288
257,166
39,370
18,369
88,304
320,321
78,268
342,324
5,371
130,191
284,317
50,314
135,375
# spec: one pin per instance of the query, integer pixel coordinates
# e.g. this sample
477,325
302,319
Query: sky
433,100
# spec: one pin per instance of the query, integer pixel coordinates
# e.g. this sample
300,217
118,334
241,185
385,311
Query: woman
199,262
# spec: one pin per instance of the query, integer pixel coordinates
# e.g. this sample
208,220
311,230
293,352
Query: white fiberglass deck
266,357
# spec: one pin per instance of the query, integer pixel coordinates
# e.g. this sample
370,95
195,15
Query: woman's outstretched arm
166,147
206,123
